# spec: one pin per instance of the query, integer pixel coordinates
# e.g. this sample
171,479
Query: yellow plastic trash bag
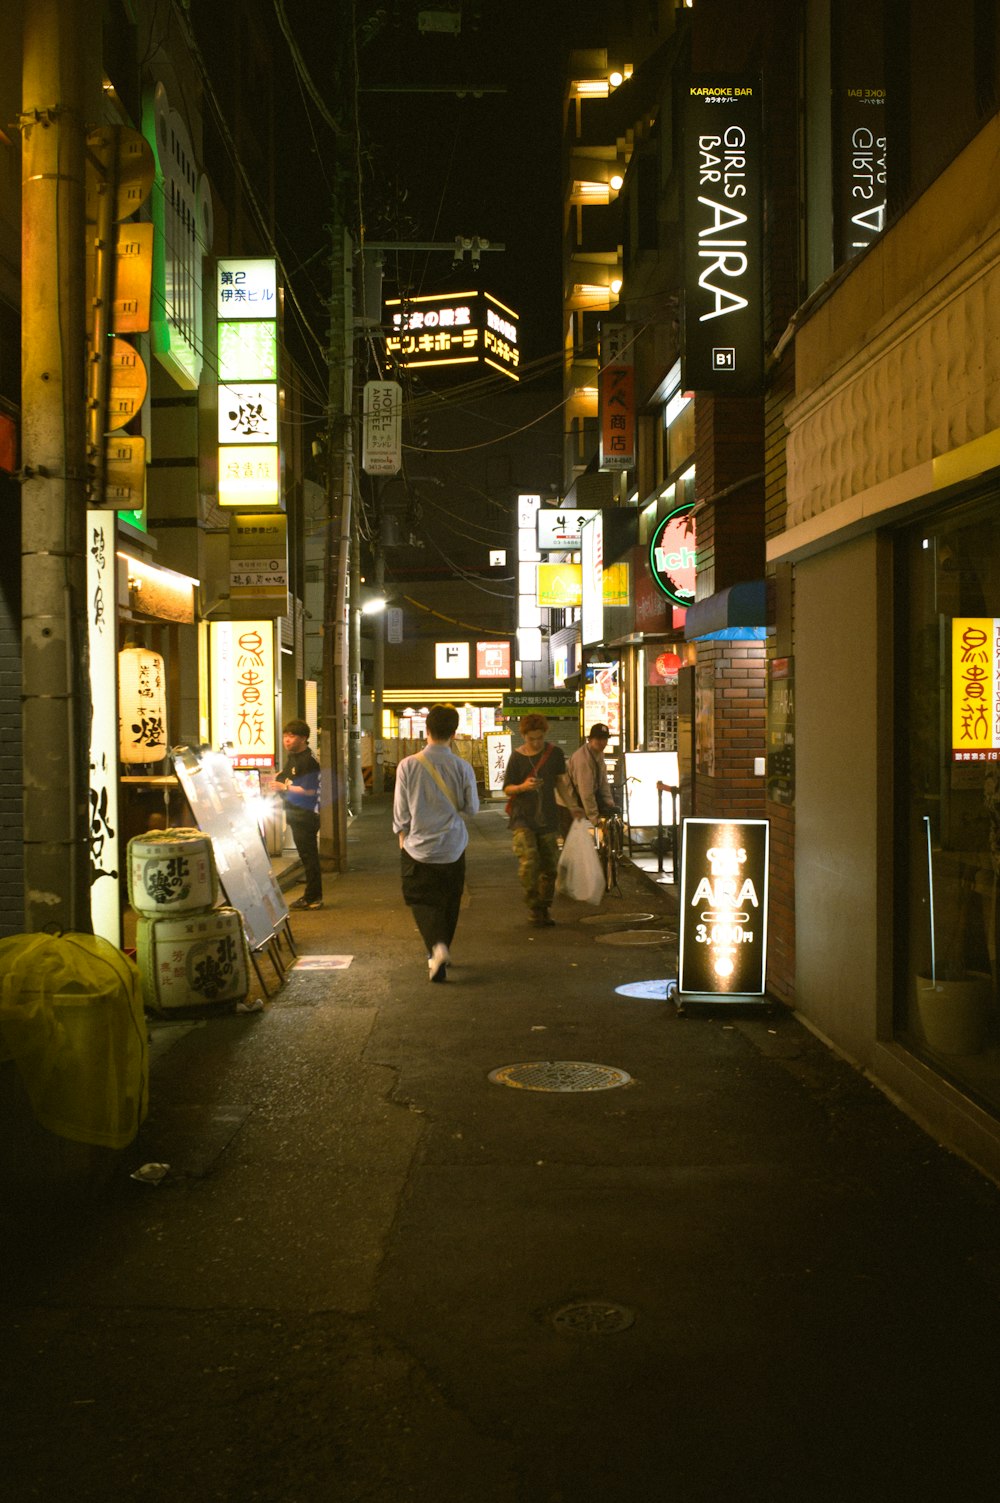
71,1018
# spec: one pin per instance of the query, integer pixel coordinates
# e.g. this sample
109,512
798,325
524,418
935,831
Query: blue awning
738,614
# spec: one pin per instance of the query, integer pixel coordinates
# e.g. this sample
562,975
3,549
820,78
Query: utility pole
58,36
334,715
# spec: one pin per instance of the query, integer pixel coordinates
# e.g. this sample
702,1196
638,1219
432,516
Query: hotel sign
382,434
454,328
723,223
975,689
723,909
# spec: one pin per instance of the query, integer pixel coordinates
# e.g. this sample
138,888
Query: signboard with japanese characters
559,529
102,823
242,691
723,202
142,706
975,689
451,660
723,909
247,388
258,558
499,745
453,328
617,404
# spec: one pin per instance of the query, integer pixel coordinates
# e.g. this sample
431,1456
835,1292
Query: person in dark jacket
298,781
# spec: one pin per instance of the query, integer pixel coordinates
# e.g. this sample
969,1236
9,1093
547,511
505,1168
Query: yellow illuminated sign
242,680
560,586
249,475
975,689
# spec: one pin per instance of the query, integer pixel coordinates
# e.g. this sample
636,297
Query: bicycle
609,835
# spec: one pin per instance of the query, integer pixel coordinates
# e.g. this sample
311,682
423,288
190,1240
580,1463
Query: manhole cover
617,918
560,1075
594,1317
653,991
638,937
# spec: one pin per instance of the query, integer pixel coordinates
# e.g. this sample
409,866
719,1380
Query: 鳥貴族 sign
723,237
723,909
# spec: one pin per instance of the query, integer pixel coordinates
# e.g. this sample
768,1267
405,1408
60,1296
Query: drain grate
617,918
638,937
594,1317
560,1075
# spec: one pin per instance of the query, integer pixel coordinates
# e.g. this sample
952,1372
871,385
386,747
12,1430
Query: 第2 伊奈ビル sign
723,909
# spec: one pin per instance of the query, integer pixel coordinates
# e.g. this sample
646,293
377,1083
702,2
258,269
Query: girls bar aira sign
723,323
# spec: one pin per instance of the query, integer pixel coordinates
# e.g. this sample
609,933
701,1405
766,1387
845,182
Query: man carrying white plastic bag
579,874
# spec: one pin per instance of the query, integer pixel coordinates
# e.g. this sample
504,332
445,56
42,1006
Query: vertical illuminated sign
975,689
102,630
723,220
723,909
859,127
242,680
247,311
592,580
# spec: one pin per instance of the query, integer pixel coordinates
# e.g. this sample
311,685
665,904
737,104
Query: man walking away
298,781
588,773
435,789
534,772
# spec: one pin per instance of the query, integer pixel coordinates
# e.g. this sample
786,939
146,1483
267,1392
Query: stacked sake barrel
190,949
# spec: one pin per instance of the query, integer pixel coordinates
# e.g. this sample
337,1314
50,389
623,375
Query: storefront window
948,795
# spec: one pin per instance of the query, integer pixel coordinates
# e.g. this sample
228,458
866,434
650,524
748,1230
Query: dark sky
433,165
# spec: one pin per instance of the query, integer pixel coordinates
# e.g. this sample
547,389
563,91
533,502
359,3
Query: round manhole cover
560,1075
617,918
638,937
651,991
593,1317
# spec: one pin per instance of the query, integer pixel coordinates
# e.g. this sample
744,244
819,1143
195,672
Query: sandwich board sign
723,910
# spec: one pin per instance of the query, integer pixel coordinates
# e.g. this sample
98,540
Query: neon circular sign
672,556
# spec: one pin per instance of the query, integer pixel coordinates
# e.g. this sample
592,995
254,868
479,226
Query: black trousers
304,825
434,894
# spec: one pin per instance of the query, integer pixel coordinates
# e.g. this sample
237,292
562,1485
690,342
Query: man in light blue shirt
435,789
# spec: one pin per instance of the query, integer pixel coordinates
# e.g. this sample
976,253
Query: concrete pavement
373,1274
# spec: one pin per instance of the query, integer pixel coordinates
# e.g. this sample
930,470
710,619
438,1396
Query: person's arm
470,804
511,788
401,805
568,796
586,792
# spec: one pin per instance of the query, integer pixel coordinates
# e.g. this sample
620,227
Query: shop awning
738,614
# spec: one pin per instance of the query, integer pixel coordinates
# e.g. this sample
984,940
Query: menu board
227,819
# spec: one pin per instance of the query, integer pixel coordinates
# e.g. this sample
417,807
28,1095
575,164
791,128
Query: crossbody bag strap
428,765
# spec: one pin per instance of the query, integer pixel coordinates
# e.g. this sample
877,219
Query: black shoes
540,919
307,903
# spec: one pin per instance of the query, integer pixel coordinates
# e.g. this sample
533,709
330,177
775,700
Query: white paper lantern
142,706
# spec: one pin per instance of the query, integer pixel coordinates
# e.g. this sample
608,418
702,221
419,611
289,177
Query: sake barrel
171,871
193,960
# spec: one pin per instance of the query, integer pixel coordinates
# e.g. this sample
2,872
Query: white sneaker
437,965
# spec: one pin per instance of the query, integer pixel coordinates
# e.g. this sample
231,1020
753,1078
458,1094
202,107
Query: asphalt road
372,1274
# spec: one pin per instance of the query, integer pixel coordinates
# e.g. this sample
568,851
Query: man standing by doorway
298,782
588,773
435,789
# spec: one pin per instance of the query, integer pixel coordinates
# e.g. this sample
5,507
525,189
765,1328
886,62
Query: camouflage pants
537,858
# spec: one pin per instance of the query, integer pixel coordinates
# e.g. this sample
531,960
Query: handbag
579,873
508,807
